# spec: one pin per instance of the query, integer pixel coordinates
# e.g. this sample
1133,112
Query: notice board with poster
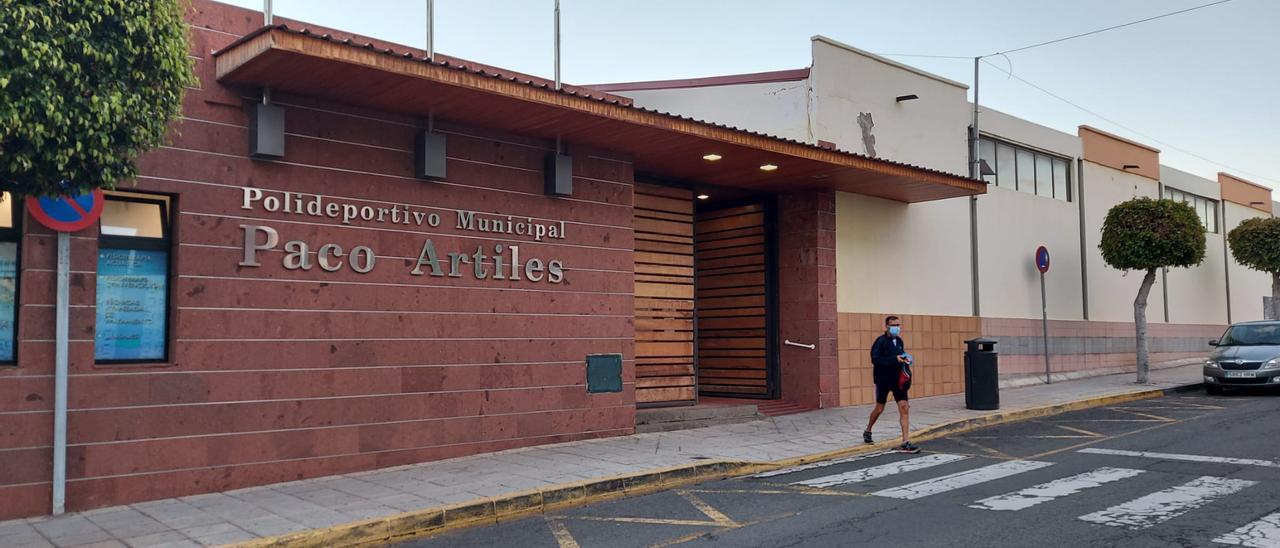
132,284
8,298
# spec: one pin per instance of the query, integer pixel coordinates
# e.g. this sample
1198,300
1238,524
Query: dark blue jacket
884,358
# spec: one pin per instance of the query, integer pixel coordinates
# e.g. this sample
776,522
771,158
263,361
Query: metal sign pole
60,376
1044,321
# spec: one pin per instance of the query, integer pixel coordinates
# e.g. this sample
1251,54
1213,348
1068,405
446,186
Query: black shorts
883,390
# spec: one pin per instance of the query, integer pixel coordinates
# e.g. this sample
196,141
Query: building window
9,236
133,279
1027,170
1206,208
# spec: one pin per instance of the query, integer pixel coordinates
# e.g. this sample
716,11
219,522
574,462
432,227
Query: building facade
395,259
1046,188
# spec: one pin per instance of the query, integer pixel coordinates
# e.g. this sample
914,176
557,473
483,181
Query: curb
536,501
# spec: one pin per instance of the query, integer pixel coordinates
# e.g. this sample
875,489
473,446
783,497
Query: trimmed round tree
1147,235
85,87
1256,244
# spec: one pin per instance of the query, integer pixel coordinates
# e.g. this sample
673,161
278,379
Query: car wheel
1213,389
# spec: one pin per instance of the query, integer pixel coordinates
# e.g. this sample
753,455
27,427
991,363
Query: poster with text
132,286
8,297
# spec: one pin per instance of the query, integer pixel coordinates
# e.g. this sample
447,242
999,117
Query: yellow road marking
1079,430
983,448
563,538
1141,414
707,509
696,536
1121,435
650,521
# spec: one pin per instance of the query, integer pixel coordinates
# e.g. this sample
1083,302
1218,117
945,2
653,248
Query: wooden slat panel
731,299
665,395
664,277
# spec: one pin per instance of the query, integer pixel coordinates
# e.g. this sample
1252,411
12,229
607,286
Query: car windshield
1252,335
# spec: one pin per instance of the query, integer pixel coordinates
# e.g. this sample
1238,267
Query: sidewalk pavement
379,504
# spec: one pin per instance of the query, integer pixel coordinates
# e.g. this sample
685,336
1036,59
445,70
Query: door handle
788,342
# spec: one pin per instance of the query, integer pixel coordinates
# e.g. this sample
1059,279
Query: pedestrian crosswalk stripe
1061,487
1165,505
864,474
1260,534
820,464
959,480
1176,456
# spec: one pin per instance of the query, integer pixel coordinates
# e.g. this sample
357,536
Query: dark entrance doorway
704,297
735,300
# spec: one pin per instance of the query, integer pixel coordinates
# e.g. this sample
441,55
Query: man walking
892,374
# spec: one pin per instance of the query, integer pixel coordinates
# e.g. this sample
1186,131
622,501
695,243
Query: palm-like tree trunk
1140,324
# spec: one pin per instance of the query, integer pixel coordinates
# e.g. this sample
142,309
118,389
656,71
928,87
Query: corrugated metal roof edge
571,92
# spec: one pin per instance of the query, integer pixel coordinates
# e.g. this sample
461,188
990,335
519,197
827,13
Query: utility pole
975,172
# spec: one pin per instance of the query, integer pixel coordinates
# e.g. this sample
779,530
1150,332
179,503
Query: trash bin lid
981,340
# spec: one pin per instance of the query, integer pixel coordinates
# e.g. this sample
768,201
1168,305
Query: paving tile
216,535
269,526
104,544
171,539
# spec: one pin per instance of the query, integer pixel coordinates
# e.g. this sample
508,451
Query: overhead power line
1062,39
1113,27
1127,128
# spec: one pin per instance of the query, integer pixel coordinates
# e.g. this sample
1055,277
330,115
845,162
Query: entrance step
777,408
666,419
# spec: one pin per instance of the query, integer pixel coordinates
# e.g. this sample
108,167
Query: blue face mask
895,330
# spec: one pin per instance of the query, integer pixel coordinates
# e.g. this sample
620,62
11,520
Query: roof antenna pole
266,21
431,35
557,45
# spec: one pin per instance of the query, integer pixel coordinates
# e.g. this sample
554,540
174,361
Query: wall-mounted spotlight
558,173
266,130
429,155
713,157
768,167
911,97
703,197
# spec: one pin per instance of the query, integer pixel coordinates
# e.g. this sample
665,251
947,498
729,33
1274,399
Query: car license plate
1241,374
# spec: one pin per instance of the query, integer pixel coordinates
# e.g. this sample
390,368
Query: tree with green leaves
1256,244
85,87
1147,235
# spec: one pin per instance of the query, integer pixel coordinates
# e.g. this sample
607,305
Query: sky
1203,86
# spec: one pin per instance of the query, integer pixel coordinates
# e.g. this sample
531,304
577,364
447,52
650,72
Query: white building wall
894,257
891,257
1111,291
1198,295
1248,286
1012,224
930,131
776,108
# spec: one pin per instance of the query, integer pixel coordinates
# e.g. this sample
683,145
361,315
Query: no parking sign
67,213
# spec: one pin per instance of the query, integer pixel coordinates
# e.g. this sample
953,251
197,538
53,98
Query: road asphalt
1182,470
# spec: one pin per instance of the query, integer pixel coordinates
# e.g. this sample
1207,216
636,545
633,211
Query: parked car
1248,354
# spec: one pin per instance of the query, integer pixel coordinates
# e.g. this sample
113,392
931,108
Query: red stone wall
807,298
280,374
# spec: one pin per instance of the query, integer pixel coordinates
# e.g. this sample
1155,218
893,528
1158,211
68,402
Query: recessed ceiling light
703,196
712,157
768,167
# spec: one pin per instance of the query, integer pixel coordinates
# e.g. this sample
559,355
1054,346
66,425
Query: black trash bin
981,375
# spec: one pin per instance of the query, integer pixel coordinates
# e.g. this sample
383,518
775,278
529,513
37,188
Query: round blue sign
1042,259
67,213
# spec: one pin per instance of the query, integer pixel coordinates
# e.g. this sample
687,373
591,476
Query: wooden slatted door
732,298
664,296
